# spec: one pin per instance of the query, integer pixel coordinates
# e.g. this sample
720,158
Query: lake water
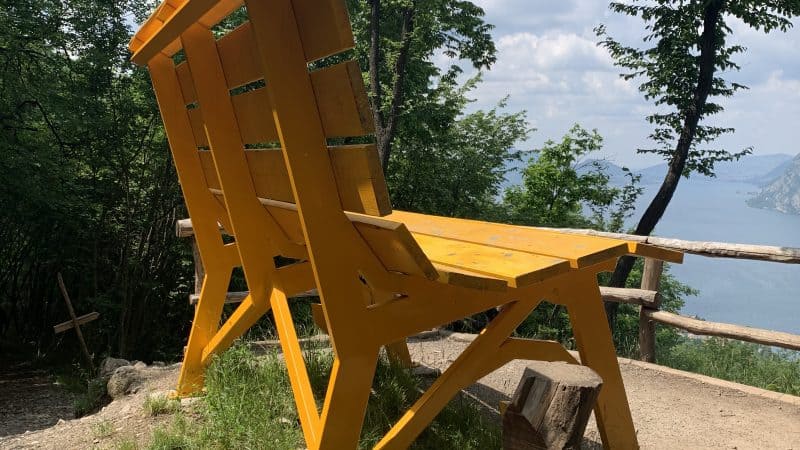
752,293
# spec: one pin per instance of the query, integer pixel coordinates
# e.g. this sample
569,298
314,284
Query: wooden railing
649,301
647,297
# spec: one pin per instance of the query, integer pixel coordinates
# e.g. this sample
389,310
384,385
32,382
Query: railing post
199,270
651,277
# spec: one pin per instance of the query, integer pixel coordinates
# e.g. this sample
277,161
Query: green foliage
559,185
88,188
454,27
452,164
673,297
755,365
249,405
677,56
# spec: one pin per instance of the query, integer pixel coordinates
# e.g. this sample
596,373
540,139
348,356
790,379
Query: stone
109,365
188,402
139,365
123,381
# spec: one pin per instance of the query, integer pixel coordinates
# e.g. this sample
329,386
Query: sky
549,64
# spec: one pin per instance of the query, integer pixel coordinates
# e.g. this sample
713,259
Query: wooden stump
550,407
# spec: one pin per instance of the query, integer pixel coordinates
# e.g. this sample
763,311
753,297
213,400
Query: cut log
550,407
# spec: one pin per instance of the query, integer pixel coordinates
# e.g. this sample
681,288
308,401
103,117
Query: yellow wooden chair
382,275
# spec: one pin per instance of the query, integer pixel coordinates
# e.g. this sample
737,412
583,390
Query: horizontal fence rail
647,297
786,255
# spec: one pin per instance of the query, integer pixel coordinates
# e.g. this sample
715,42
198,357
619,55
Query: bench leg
474,361
205,324
346,401
596,348
398,353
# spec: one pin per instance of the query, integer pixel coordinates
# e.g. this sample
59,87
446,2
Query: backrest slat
356,168
342,100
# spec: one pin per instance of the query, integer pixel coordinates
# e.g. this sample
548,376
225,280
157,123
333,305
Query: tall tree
453,163
396,42
688,50
86,183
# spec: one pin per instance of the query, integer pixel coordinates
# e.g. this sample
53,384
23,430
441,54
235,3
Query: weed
126,444
159,404
92,399
103,429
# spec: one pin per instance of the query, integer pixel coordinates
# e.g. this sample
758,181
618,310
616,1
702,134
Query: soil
671,409
42,418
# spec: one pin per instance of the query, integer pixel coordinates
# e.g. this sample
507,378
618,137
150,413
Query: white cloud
549,63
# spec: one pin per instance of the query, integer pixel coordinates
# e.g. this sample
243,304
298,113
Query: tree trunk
386,122
657,207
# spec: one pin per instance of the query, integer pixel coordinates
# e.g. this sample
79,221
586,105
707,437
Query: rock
139,365
158,364
123,381
109,365
425,371
188,402
61,422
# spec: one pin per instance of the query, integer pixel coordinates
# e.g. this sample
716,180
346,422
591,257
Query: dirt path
671,409
121,421
30,400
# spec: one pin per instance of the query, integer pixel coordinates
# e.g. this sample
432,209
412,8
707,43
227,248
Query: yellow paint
379,283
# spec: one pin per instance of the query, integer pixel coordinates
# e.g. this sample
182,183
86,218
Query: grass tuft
103,429
249,405
157,404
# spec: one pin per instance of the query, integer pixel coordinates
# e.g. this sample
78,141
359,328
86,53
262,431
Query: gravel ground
671,409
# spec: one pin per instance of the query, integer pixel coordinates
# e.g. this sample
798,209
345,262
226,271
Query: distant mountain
615,173
783,194
759,170
754,169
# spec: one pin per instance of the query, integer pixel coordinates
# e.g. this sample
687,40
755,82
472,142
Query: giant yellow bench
249,127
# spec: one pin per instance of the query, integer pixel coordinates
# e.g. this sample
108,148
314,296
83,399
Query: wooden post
199,270
651,277
550,407
75,322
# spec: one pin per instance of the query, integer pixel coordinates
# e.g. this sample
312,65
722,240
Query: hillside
783,194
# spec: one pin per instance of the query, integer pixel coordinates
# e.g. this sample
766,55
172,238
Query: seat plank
362,188
451,261
580,251
519,269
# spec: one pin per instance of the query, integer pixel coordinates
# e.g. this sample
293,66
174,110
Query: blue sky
549,64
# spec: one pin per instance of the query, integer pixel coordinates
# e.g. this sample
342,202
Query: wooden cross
75,322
